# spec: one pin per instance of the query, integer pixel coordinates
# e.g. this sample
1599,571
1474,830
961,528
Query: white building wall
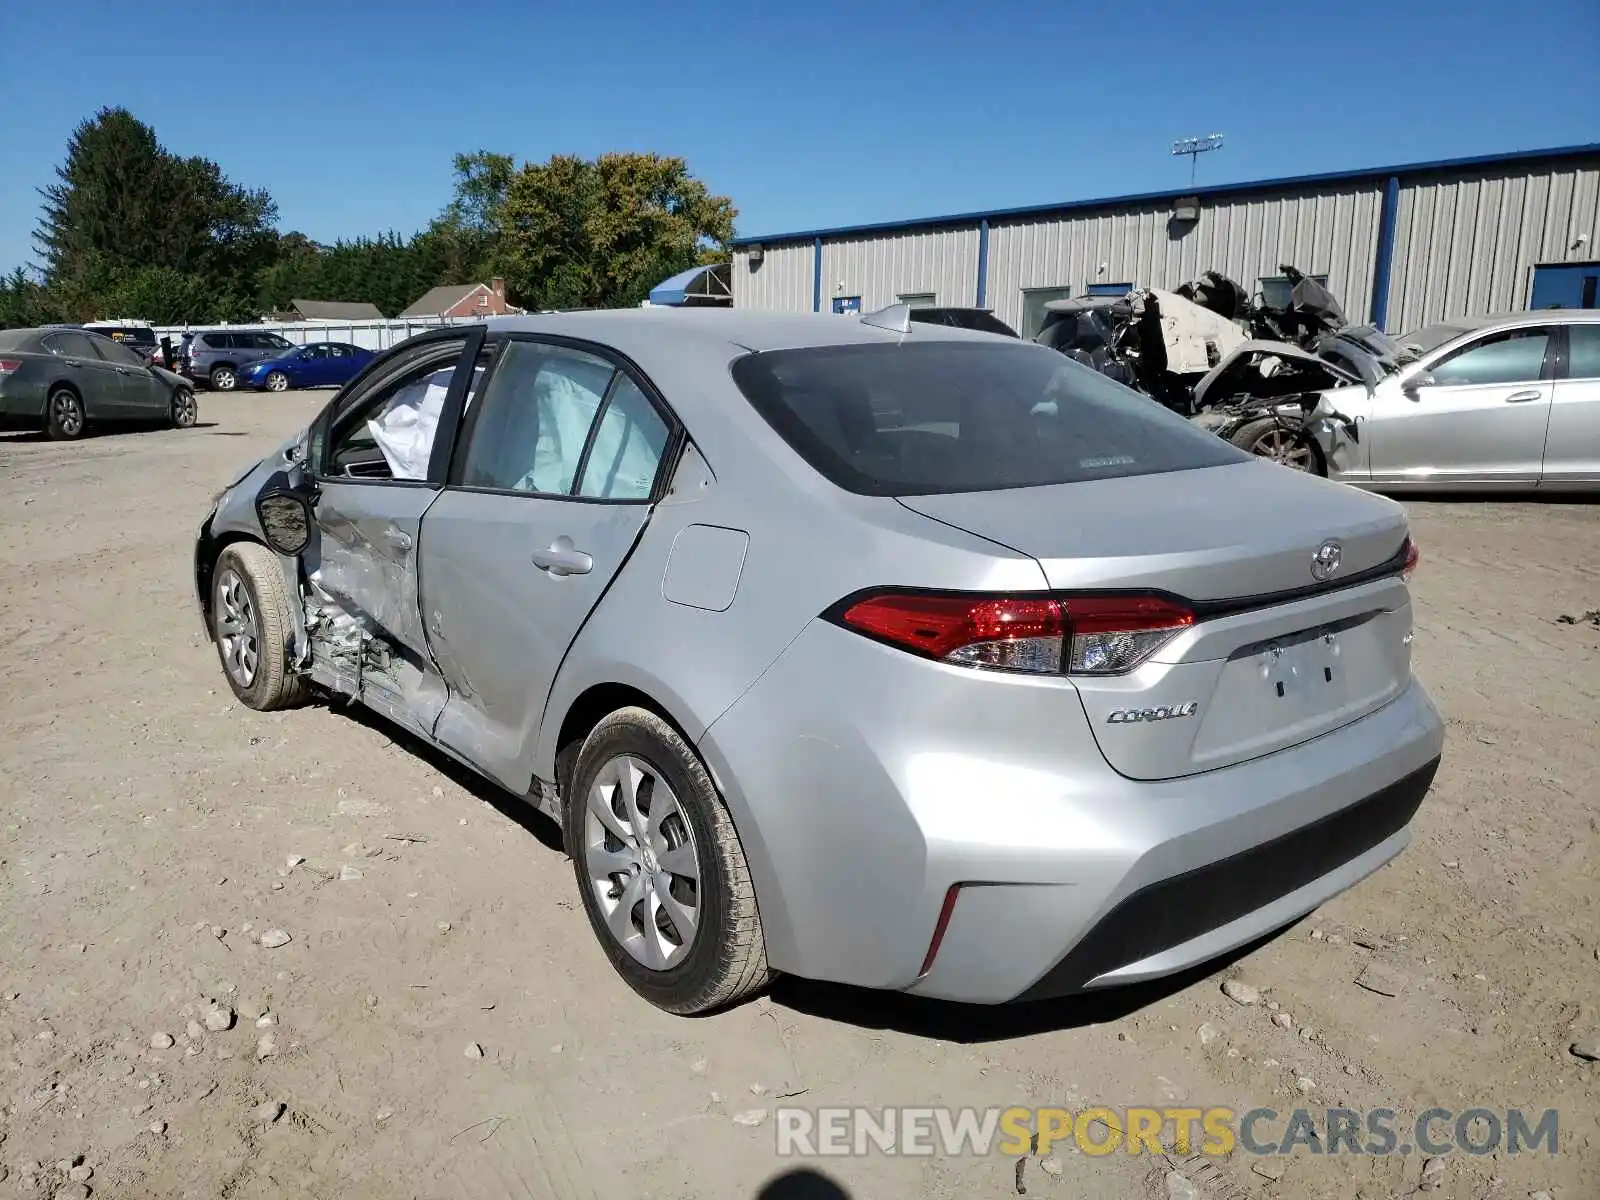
880,268
1331,231
782,283
1467,245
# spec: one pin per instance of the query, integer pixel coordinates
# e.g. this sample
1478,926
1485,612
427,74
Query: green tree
465,237
580,233
23,303
127,218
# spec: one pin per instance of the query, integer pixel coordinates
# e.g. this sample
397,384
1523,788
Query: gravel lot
150,824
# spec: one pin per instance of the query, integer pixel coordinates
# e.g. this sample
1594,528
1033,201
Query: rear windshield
925,418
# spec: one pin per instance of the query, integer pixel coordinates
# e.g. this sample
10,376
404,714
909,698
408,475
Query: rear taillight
1413,556
1082,635
8,365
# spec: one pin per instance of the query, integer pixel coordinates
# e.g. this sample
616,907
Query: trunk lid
1276,656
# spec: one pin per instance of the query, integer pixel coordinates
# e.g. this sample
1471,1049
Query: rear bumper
866,784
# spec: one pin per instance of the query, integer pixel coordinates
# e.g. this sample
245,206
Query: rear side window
1584,351
71,344
925,418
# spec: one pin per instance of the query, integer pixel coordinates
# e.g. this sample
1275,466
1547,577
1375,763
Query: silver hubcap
223,380
183,410
236,628
67,411
639,849
277,382
1282,446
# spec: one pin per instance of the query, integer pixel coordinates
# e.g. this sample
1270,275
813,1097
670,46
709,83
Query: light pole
1194,147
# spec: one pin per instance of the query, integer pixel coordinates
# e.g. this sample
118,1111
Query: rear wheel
1286,446
224,379
64,415
252,623
184,410
277,381
662,874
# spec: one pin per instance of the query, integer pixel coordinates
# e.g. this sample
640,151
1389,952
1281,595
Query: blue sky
806,114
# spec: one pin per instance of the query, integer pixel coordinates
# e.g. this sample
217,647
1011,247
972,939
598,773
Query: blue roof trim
1216,189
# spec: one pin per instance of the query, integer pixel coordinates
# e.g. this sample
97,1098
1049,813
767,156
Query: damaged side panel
363,610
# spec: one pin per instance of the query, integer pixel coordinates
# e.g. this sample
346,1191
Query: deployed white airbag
405,429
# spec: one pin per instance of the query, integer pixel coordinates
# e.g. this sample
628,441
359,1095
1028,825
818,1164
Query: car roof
1445,333
720,332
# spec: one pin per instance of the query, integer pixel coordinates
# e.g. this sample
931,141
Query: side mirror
283,506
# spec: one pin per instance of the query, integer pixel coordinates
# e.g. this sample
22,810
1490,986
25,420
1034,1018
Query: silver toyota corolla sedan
885,653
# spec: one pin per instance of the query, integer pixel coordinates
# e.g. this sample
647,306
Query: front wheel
184,409
277,381
662,874
1286,446
64,415
224,379
252,624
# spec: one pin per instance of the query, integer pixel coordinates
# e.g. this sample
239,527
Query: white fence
373,335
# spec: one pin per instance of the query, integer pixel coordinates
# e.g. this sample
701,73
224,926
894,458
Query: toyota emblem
1325,562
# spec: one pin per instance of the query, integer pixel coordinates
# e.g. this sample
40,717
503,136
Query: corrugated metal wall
1466,242
783,281
1467,246
1332,231
882,267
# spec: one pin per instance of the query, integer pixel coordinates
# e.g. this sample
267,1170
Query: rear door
553,481
376,475
105,389
1572,449
1477,415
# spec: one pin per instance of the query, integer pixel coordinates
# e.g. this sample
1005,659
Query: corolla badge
1326,560
1164,712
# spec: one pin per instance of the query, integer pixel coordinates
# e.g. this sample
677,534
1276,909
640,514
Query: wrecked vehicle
1163,343
869,651
1278,401
1158,342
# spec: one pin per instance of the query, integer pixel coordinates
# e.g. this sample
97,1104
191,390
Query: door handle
1524,397
72,362
561,559
397,537
124,371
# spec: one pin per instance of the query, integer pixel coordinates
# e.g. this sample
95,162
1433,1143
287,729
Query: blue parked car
321,364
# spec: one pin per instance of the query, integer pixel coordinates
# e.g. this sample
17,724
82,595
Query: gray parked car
1476,404
217,357
60,379
869,651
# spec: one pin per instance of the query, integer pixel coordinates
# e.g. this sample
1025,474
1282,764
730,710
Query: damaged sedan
1474,404
877,652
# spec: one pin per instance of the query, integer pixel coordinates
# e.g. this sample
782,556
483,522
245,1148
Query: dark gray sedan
59,380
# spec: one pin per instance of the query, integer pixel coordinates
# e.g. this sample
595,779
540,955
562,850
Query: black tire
183,411
726,960
224,378
270,683
64,414
1268,438
276,381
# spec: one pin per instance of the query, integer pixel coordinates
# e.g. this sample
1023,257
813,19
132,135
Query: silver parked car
1476,404
869,651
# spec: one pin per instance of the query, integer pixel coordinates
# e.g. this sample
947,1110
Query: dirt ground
149,824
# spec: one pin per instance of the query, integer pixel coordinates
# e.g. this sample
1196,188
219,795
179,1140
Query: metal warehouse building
1400,246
